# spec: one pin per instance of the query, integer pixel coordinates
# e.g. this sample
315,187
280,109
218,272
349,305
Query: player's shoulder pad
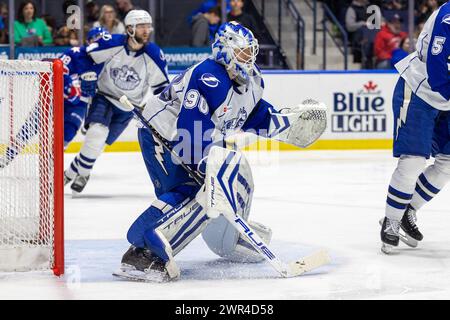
213,82
157,55
444,15
108,41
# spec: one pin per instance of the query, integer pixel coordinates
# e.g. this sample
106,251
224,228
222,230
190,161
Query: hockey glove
89,83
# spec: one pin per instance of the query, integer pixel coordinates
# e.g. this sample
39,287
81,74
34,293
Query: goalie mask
236,48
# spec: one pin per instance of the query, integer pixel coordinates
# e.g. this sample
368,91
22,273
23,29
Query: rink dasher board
359,109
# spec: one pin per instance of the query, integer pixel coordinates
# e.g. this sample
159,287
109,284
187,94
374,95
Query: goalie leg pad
223,239
229,187
170,224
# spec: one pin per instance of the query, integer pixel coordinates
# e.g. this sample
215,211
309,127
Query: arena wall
359,104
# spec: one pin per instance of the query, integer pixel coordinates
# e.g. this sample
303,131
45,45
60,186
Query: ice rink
311,200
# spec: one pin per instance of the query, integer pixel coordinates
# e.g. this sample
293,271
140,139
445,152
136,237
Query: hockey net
31,166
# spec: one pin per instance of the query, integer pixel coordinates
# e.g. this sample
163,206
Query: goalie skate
140,265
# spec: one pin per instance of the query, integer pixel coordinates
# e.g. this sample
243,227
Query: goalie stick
287,270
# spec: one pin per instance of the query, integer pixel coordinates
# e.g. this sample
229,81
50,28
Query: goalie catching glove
301,125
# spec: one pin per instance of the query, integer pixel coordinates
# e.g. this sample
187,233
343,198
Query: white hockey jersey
202,106
137,74
427,70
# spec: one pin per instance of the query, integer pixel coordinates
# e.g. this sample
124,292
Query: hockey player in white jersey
77,85
194,114
131,65
422,129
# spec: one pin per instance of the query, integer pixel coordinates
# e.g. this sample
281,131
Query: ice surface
311,200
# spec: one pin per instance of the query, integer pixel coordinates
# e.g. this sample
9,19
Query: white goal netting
27,166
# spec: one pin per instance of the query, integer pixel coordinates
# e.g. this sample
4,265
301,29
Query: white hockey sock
402,185
92,148
431,182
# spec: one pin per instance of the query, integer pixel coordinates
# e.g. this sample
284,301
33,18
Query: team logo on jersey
161,55
125,78
210,80
446,19
234,123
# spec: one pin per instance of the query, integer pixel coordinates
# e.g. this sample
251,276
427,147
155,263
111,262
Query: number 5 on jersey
438,45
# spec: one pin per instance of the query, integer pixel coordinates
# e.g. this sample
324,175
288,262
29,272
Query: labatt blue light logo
361,111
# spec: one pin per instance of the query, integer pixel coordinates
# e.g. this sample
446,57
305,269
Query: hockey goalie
191,120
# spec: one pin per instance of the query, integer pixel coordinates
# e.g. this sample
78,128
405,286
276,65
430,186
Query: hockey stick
292,269
125,101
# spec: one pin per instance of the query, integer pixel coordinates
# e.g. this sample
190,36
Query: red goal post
31,166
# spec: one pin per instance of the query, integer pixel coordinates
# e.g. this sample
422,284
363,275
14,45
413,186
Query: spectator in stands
108,20
426,8
5,20
206,6
92,13
209,4
394,5
401,52
2,30
387,40
201,23
355,22
66,37
237,14
4,13
30,30
123,7
51,23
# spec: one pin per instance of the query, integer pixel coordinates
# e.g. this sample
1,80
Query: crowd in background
32,29
206,19
379,48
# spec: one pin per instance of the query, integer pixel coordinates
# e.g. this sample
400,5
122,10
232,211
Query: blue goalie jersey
202,106
427,70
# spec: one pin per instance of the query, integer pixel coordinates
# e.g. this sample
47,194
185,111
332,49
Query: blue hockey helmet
236,48
96,33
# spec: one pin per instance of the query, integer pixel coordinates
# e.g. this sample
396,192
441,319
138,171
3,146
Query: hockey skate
409,227
140,264
390,234
79,183
67,179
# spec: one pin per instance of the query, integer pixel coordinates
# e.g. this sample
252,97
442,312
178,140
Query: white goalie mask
236,48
